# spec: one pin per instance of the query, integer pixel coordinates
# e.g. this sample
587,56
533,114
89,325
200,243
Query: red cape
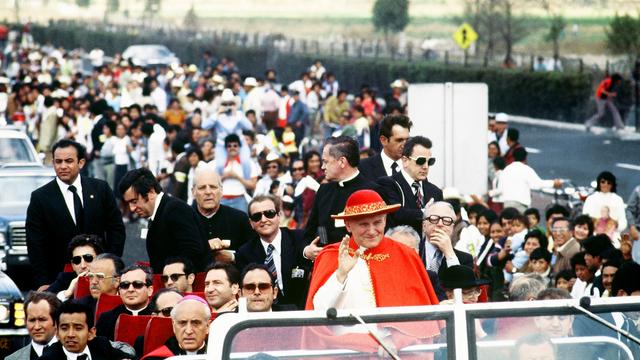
399,279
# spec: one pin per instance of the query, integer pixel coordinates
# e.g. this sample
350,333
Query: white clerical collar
196,352
74,356
64,187
135,312
276,242
341,183
409,179
38,348
387,162
156,205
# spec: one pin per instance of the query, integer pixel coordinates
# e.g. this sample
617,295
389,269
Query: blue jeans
238,203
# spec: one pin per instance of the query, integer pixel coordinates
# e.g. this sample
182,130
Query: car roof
25,169
12,133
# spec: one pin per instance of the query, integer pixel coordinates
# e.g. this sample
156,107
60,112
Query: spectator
222,286
564,246
178,274
40,310
394,133
83,249
605,195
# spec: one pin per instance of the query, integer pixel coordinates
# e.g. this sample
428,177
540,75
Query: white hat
502,118
287,199
64,79
59,94
176,83
227,96
272,156
399,83
250,81
4,80
451,193
192,68
217,79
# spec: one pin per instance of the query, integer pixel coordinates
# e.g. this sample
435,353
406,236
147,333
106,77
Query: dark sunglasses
166,312
298,169
76,260
233,145
260,286
173,277
421,160
270,214
137,284
446,220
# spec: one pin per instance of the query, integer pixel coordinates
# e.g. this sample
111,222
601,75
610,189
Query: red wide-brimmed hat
365,203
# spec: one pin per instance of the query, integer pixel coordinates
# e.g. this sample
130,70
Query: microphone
585,302
332,313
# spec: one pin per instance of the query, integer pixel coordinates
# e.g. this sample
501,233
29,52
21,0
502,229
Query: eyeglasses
446,220
137,284
76,260
260,286
99,276
227,103
165,311
559,229
471,292
270,214
173,277
421,160
232,146
298,169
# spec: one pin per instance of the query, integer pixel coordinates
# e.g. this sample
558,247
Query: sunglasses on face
260,286
173,277
166,312
269,214
76,260
421,160
446,220
137,284
99,276
298,169
232,146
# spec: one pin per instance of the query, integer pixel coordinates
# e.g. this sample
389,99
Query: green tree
556,30
390,16
83,3
191,19
113,6
623,36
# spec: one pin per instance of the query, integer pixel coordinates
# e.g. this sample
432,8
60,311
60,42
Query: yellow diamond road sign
465,36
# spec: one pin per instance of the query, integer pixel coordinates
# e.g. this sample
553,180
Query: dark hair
262,198
520,154
73,307
93,241
522,219
532,339
616,77
534,212
188,265
565,274
553,294
141,180
495,143
542,238
412,142
608,176
556,209
583,220
387,123
513,134
340,92
615,262
118,264
232,138
65,143
509,213
577,259
476,209
344,146
611,255
233,275
626,279
254,266
307,157
37,296
195,150
488,214
499,163
147,271
154,300
540,253
111,125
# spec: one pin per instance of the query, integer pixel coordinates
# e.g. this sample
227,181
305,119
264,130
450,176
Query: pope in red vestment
367,270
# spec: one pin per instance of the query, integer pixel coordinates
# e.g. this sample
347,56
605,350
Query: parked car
16,148
13,334
150,55
17,182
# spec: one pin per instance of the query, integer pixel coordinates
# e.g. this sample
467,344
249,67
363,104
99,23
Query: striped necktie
271,265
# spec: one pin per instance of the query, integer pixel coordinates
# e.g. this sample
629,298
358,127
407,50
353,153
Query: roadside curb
627,134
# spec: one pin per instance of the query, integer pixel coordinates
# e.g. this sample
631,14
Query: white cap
4,80
502,118
272,157
217,79
287,199
399,83
250,81
227,96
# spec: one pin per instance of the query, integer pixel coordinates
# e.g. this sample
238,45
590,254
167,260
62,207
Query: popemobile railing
598,328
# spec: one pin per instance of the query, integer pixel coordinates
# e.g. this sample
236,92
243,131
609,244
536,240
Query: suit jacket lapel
88,201
409,197
157,218
60,206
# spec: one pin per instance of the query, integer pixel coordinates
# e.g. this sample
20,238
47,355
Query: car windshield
151,52
21,188
13,150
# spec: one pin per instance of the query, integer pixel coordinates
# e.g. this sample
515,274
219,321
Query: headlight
18,314
5,314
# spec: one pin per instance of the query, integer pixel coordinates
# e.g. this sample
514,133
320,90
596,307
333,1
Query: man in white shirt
517,180
40,308
158,96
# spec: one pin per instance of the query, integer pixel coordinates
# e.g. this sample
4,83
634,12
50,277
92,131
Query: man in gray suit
40,309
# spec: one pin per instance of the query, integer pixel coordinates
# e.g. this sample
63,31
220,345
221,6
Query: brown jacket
563,256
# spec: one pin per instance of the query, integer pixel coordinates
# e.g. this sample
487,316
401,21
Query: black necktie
394,168
416,188
82,357
77,209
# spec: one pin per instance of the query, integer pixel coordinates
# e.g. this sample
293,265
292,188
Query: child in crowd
540,260
533,240
583,285
565,280
533,216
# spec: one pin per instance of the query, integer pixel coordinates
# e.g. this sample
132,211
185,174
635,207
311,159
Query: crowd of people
296,196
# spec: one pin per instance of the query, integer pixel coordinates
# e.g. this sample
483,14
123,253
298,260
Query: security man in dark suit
410,187
173,228
280,249
394,132
65,207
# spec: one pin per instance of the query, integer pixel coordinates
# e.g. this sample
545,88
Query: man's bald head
207,190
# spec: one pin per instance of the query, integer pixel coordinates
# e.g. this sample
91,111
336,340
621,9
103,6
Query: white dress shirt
40,348
387,162
410,181
435,257
277,254
516,182
68,195
156,205
74,356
